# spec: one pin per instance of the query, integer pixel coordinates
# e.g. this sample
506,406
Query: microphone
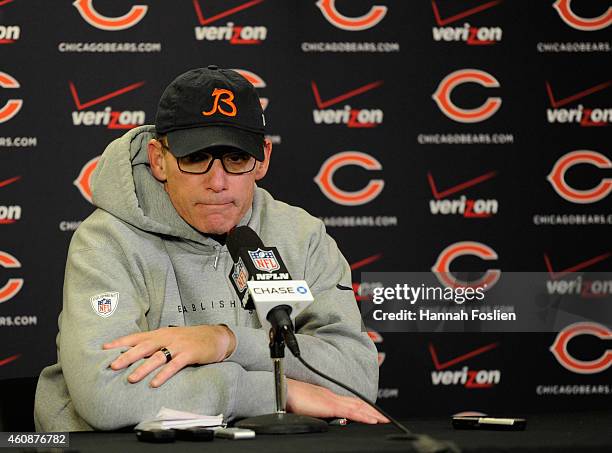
239,239
261,278
259,275
265,267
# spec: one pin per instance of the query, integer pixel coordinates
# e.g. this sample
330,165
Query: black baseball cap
211,107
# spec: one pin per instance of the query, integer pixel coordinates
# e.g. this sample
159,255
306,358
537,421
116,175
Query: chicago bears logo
557,177
368,20
580,23
377,339
257,82
442,270
559,348
83,181
325,181
94,18
14,285
442,96
12,106
227,100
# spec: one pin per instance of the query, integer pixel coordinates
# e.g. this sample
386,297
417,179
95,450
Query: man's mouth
216,203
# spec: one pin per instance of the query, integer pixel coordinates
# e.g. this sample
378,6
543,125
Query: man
149,317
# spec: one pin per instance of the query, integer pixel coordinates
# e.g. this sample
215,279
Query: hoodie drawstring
217,258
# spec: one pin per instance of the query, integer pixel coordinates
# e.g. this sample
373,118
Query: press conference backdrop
414,129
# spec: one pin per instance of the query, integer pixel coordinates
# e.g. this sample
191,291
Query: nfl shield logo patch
240,275
264,260
105,304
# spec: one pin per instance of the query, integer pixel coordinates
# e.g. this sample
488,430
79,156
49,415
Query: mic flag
252,261
270,290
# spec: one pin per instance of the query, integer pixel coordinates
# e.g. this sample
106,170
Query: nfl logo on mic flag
240,275
264,260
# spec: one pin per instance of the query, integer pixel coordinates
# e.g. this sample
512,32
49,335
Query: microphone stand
281,422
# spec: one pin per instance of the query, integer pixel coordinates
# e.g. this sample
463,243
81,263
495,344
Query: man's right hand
315,401
195,345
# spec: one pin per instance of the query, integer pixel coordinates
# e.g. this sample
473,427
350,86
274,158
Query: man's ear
156,160
262,167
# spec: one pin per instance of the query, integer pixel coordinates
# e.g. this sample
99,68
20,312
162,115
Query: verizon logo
346,115
441,204
9,214
230,32
465,377
112,119
9,34
578,285
584,116
235,34
470,35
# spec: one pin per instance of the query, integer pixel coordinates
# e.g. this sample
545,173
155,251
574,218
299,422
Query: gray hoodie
159,271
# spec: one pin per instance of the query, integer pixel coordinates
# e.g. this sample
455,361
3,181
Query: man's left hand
197,345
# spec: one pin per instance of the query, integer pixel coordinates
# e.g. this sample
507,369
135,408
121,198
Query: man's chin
212,227
214,230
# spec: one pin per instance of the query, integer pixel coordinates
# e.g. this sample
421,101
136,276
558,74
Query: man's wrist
229,343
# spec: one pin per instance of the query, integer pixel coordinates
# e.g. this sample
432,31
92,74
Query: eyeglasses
200,162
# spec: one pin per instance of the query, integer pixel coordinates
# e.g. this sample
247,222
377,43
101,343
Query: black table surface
561,432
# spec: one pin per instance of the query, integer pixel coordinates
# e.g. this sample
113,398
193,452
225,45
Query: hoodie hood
123,185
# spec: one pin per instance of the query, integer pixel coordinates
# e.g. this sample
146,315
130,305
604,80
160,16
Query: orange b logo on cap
227,100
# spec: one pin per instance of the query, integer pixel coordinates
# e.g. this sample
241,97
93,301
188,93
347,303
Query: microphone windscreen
242,236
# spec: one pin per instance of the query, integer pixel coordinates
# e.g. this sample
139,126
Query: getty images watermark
489,301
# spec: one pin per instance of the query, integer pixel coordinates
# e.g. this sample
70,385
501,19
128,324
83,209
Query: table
561,432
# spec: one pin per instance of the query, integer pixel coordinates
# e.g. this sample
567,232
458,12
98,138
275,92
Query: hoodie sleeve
329,332
103,397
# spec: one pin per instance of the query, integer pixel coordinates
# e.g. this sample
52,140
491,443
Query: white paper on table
170,418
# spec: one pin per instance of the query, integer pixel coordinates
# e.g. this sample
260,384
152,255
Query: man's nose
217,177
